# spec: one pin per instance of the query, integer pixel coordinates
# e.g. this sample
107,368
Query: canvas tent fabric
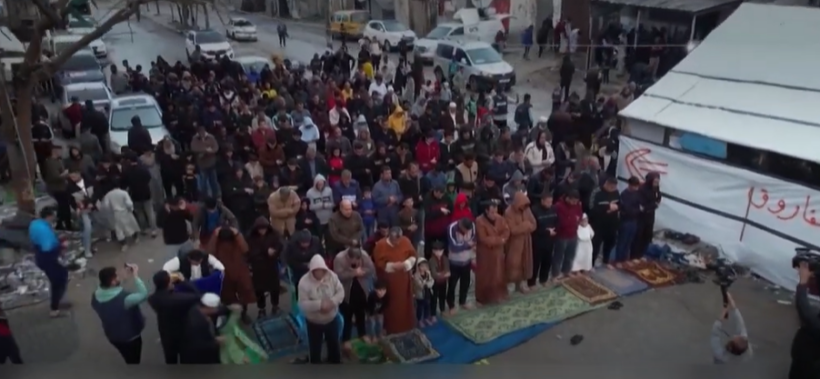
688,6
751,82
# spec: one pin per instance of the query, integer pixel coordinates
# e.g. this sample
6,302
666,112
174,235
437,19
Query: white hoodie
535,156
312,292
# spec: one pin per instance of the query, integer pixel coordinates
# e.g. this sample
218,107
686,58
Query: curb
309,24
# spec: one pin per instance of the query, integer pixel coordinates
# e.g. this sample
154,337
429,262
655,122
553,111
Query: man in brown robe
230,248
518,260
491,235
395,257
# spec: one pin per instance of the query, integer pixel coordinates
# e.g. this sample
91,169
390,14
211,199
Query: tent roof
752,82
690,6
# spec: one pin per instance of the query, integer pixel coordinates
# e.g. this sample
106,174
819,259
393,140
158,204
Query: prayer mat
621,283
487,323
408,347
651,273
367,353
588,290
277,335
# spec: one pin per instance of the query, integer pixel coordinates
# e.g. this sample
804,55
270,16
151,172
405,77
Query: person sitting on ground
737,347
189,265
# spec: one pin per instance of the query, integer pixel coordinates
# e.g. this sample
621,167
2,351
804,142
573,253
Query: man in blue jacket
47,251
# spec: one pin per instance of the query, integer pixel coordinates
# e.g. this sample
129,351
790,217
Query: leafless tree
33,70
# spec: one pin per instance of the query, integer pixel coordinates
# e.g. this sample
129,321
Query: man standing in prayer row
395,257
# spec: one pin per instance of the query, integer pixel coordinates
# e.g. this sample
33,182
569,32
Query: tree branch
120,16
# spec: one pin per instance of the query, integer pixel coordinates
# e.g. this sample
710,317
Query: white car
123,109
211,44
98,92
60,42
389,33
81,27
484,68
254,62
425,48
240,29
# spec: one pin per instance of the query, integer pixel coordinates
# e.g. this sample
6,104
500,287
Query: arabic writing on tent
785,210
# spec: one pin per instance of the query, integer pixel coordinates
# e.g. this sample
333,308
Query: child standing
583,253
423,289
376,301
189,184
368,210
440,270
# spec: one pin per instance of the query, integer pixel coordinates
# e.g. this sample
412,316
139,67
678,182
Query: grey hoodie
312,292
509,189
321,201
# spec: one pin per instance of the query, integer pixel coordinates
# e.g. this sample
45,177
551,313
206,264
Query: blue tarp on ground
456,349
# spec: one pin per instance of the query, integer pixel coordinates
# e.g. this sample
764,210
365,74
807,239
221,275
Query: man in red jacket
427,152
569,214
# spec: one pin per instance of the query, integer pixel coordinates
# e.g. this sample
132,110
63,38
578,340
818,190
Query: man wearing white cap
200,343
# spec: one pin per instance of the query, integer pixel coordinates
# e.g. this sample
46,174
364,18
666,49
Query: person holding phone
119,311
728,347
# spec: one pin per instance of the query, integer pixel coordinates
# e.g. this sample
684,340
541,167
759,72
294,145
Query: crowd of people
375,193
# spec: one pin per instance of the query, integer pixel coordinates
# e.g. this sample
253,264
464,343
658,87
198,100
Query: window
459,55
209,37
444,50
459,31
121,117
765,162
438,33
394,26
376,26
93,94
81,62
485,55
242,23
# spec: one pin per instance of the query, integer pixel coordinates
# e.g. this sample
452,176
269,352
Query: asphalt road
663,328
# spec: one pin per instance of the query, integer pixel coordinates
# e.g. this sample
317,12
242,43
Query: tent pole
692,32
637,25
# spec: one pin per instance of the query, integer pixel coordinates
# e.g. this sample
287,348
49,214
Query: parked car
389,33
82,67
98,92
240,29
123,109
483,66
348,24
254,62
211,44
469,24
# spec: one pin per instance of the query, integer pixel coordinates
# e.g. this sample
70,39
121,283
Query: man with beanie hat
300,249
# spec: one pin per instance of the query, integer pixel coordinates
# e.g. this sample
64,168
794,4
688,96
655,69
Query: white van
57,42
468,25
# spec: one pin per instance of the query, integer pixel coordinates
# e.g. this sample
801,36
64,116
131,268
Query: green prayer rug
487,323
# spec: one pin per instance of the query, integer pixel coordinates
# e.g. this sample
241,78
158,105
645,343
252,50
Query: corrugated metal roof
691,6
752,82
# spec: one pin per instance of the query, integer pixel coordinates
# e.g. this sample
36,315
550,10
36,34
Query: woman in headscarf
492,233
230,248
518,257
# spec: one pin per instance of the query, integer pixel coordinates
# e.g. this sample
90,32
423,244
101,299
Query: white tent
753,82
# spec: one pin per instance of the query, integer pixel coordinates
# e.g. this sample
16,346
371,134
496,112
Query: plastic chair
298,318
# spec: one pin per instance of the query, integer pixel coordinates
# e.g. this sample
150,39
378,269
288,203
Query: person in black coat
97,122
566,73
238,197
265,249
200,344
171,307
139,140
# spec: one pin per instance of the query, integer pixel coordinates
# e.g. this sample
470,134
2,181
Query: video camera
725,275
804,254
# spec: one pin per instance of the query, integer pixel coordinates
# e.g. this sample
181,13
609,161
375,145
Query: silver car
123,109
97,92
484,68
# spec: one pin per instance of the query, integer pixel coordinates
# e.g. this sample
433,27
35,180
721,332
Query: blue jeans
626,234
375,325
422,309
207,182
49,263
85,235
562,256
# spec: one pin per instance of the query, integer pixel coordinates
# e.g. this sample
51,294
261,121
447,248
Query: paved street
669,326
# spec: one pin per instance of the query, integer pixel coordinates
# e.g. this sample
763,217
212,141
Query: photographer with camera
805,351
736,347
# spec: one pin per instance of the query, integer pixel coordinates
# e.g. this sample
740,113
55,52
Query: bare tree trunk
22,160
205,14
156,4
